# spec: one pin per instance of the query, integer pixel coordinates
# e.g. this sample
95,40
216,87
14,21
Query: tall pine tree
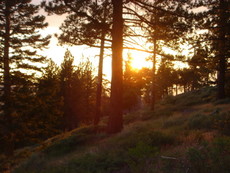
214,19
88,23
20,39
115,123
164,24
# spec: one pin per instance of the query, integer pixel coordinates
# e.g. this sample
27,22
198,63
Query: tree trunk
153,92
115,123
221,55
99,82
7,85
176,90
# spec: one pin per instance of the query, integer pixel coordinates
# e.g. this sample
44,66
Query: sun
138,60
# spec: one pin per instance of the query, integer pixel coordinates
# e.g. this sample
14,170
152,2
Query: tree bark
153,101
7,85
115,123
221,55
99,82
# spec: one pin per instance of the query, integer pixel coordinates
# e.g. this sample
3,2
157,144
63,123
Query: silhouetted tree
132,85
86,27
38,105
20,39
165,78
215,20
165,23
78,30
115,123
78,92
66,79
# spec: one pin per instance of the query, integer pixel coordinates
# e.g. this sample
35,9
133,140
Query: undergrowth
180,136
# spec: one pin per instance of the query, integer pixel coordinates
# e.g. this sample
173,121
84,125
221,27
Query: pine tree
164,23
115,123
20,38
78,30
47,109
88,24
66,79
215,20
132,85
77,86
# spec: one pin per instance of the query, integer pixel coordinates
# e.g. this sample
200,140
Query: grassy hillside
187,133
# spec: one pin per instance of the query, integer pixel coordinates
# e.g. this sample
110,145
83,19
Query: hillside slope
187,133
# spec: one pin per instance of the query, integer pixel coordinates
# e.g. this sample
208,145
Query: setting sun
139,60
75,73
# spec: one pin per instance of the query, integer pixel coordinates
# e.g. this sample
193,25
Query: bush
96,163
197,159
77,139
175,122
221,122
141,157
164,112
212,158
200,121
160,139
153,138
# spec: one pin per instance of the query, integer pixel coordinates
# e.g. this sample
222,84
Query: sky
57,52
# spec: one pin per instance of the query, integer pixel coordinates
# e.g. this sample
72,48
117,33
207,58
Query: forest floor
188,133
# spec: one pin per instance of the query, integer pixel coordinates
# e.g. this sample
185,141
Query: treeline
61,100
169,80
34,108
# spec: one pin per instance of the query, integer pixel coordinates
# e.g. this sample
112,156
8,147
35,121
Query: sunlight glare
138,60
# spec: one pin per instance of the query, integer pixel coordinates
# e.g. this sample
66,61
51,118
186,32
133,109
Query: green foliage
173,122
149,137
198,161
24,38
200,121
221,122
189,99
141,157
203,158
132,85
77,140
165,111
66,145
97,163
78,88
142,145
212,158
216,120
139,115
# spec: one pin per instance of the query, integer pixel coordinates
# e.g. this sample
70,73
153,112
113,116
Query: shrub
102,162
200,121
210,158
160,139
221,122
175,122
141,157
197,159
164,112
66,145
153,138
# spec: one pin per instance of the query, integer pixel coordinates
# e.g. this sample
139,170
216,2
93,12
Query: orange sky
57,52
